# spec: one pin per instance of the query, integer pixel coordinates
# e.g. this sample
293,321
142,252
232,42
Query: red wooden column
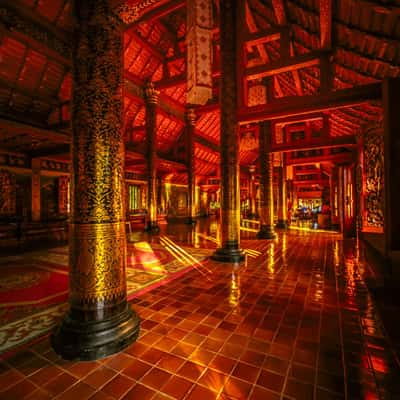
151,96
282,208
391,105
190,131
266,169
230,191
99,321
252,191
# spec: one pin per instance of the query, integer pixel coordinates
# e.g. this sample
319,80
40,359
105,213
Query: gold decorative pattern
97,258
373,192
131,13
97,234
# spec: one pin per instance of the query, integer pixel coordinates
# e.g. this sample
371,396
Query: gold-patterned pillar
266,169
100,321
230,190
63,194
391,188
190,132
282,207
151,95
252,191
35,189
341,194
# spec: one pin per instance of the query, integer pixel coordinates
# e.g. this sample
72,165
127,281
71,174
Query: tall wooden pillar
35,190
340,200
63,194
252,191
190,132
391,105
100,321
266,169
230,191
282,208
151,157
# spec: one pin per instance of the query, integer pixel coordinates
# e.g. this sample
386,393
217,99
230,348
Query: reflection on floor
294,321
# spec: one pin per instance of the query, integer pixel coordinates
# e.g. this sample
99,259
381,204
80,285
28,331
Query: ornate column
190,131
230,190
151,95
100,321
391,162
63,194
35,190
252,191
282,208
266,168
341,194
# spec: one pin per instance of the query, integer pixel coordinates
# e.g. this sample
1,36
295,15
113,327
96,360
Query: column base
282,224
191,221
266,232
85,341
229,254
152,227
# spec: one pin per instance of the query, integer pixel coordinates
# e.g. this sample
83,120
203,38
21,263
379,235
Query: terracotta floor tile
156,378
260,393
271,381
201,393
222,364
237,388
39,394
101,396
170,363
311,301
190,370
99,377
46,374
245,372
120,362
136,369
18,391
177,387
118,386
139,392
80,391
82,369
60,383
9,377
213,380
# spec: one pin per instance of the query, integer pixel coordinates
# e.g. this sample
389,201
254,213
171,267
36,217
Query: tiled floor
296,321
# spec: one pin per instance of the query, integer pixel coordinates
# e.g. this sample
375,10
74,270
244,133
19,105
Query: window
134,197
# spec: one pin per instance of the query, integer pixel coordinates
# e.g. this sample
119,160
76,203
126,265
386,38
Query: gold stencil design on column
102,245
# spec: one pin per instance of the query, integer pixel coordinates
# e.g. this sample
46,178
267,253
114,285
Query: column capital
151,93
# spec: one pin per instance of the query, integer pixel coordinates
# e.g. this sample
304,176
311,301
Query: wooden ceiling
336,52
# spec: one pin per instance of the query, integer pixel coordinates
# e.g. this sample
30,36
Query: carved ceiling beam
294,106
134,88
33,94
280,13
153,50
162,10
317,143
325,23
280,66
17,128
339,158
36,31
58,150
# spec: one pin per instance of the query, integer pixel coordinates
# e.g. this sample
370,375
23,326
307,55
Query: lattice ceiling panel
208,125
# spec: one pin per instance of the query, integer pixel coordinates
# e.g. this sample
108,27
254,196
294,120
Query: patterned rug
34,286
